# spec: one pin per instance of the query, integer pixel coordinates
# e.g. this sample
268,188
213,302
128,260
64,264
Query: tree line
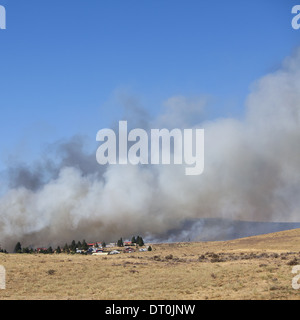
134,241
73,247
67,248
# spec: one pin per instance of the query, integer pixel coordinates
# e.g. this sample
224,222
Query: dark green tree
140,241
49,250
133,240
73,246
18,248
137,240
120,243
58,249
149,248
103,244
26,250
84,245
66,248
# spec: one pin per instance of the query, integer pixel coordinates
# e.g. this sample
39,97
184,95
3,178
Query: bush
293,262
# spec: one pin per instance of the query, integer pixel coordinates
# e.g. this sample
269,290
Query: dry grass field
250,268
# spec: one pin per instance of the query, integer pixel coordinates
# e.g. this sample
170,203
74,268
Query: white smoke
251,173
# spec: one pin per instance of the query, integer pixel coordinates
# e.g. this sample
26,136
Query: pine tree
84,245
73,246
66,248
133,240
120,243
18,248
137,240
140,242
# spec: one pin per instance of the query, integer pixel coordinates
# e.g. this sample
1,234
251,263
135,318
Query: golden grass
249,268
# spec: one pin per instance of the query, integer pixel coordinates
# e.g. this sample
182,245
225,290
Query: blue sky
61,62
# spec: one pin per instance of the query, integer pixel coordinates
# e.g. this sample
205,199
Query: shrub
293,262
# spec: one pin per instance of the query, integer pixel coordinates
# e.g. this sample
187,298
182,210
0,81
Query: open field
257,267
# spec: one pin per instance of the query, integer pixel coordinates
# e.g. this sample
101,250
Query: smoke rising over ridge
251,173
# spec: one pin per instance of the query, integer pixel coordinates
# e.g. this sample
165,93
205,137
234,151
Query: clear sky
62,61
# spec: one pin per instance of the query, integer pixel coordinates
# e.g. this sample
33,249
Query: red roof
92,244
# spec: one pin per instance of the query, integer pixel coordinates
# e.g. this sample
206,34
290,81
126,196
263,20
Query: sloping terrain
258,267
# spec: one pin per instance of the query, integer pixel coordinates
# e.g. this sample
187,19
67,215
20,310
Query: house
95,244
128,250
111,245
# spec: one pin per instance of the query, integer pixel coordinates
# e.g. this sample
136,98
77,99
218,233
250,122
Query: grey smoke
251,174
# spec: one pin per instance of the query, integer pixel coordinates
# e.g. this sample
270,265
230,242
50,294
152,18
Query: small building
95,244
111,245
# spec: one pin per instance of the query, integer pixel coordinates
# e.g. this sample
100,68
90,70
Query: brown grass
249,268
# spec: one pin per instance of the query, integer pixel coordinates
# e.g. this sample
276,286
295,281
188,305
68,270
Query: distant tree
133,240
58,249
49,250
26,250
140,241
84,245
96,245
66,248
120,243
149,248
137,240
73,246
103,244
18,248
79,245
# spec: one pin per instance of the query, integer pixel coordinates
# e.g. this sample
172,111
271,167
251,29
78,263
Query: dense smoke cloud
251,173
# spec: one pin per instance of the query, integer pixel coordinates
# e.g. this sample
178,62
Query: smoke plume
251,173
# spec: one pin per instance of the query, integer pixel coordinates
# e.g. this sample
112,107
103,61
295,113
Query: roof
93,243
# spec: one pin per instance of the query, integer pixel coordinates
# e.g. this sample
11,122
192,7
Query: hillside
258,267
